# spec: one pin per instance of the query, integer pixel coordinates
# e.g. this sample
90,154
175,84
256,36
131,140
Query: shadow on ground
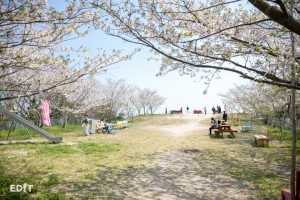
180,174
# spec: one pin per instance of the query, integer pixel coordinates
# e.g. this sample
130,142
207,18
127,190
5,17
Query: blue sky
180,91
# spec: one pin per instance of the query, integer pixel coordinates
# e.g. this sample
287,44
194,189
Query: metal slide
31,126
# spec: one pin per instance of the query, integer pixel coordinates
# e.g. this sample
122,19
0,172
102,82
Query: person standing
213,110
187,109
85,126
204,110
224,116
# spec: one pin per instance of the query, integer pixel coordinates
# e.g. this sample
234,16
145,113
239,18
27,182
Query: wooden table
175,111
224,128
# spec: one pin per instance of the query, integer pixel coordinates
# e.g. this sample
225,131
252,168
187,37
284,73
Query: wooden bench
217,132
286,193
262,140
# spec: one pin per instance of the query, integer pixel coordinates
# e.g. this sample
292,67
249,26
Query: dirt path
179,174
191,124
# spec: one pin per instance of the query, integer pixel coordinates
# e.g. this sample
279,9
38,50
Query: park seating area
225,127
263,139
111,128
248,127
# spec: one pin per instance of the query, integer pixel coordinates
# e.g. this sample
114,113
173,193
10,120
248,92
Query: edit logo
19,188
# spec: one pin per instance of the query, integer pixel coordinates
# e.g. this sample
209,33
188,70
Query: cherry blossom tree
145,95
119,97
154,101
34,57
76,98
112,93
204,38
128,100
136,100
259,100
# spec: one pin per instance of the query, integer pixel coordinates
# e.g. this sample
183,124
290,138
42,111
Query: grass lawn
145,163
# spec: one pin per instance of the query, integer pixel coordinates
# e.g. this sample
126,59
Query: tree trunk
293,115
294,145
65,120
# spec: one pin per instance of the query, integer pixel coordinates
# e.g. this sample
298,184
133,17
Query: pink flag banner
46,113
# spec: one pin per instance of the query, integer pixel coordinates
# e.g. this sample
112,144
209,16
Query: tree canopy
33,55
205,37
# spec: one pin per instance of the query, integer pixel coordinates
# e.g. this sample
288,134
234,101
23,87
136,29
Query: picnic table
175,111
224,128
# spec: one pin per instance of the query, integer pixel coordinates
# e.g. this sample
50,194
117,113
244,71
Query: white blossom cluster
34,57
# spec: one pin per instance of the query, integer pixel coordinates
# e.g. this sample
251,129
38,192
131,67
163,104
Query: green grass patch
15,134
25,134
90,176
100,148
277,134
52,196
51,149
52,179
8,180
60,130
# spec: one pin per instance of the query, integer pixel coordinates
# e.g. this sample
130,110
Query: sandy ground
191,125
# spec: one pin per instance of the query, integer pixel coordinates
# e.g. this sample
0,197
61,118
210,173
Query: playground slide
31,126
